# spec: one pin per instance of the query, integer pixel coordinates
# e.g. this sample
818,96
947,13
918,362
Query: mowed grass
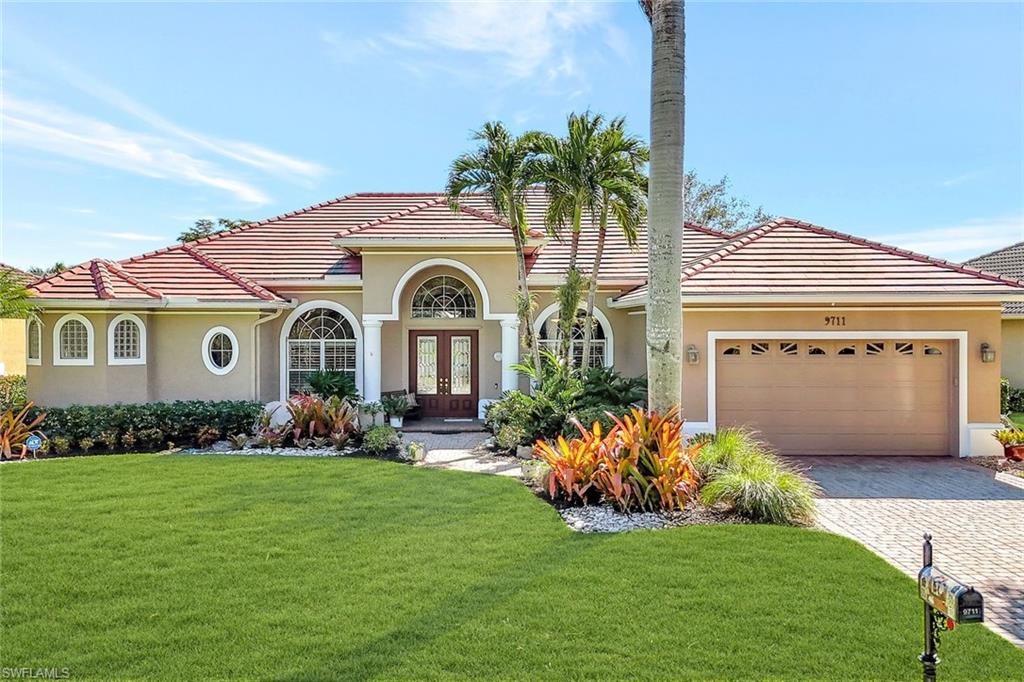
1018,419
182,567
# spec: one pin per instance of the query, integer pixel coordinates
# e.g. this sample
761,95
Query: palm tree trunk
666,208
588,319
527,332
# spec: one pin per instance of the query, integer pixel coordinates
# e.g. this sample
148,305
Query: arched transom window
320,339
549,335
444,297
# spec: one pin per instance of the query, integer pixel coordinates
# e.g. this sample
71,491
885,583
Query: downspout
256,349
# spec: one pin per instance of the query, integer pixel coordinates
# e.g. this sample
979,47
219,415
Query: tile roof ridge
215,265
906,253
706,260
709,230
494,218
17,272
116,269
984,255
349,231
101,279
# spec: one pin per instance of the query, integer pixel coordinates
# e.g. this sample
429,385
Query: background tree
665,204
46,272
712,205
503,167
204,227
15,299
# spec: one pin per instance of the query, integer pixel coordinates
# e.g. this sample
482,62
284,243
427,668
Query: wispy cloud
51,129
83,211
961,241
132,236
960,179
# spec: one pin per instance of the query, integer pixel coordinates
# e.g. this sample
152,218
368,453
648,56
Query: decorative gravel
276,452
1000,464
606,519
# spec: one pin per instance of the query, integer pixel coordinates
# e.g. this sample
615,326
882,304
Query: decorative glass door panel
443,372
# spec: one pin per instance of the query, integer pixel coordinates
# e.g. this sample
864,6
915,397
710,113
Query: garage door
870,397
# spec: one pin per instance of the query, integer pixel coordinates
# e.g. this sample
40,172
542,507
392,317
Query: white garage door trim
963,432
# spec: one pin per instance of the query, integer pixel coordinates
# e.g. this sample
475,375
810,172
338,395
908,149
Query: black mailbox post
946,602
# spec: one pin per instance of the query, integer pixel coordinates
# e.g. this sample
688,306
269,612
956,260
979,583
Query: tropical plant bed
341,568
605,518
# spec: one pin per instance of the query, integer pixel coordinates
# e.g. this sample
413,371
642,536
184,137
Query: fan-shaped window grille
549,336
444,297
321,339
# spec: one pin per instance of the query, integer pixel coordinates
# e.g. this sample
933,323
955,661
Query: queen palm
666,205
503,167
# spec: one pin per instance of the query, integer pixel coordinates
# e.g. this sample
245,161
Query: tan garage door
863,397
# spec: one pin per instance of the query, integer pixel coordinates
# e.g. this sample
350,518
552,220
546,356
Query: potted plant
368,414
395,407
1012,441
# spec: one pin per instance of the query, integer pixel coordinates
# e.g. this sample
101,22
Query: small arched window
220,350
126,340
444,297
549,334
34,342
73,340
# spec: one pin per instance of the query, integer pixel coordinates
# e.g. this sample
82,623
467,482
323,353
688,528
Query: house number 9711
835,320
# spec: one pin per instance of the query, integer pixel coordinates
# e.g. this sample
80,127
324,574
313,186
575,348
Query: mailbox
949,597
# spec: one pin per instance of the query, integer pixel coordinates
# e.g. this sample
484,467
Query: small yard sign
34,443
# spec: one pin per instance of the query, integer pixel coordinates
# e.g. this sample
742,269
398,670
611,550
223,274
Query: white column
371,359
509,354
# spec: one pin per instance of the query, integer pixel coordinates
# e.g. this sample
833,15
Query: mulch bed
999,464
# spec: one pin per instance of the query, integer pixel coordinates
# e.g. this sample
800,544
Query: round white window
220,350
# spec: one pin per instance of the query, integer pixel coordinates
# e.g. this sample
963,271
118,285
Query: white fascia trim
87,361
326,282
832,298
441,242
150,304
286,328
602,283
137,321
963,433
236,350
396,296
609,333
29,360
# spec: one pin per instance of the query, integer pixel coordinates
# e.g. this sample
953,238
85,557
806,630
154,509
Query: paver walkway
977,523
462,452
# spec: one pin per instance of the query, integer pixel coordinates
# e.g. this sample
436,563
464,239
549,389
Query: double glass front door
443,372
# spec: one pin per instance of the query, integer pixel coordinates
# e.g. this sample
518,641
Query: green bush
1010,399
328,383
588,415
759,488
724,450
603,386
380,440
152,424
510,436
12,391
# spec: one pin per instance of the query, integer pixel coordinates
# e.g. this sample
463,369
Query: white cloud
83,211
960,179
961,241
132,236
57,131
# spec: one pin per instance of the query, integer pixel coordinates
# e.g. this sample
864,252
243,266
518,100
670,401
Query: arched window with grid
548,335
444,297
320,339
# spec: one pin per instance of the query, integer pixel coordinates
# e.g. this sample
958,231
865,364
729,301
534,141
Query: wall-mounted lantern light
692,354
988,353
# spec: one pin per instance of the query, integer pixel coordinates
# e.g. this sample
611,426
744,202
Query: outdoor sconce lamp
692,354
988,354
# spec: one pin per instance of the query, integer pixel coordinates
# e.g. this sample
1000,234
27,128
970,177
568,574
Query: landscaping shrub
16,427
760,488
380,440
724,450
13,392
604,386
1010,399
328,383
152,425
333,420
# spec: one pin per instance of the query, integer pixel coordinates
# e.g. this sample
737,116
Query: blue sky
123,123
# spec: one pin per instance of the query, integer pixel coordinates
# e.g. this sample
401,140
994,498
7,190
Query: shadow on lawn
378,656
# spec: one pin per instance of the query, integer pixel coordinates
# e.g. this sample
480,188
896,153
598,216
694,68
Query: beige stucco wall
174,368
12,346
980,325
1012,351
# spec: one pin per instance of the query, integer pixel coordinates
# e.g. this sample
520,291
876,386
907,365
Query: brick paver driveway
887,503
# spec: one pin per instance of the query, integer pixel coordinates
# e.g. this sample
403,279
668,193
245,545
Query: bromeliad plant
573,463
664,469
15,429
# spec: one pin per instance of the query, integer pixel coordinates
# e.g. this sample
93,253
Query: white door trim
963,433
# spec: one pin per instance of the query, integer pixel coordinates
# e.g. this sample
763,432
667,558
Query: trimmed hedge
13,389
1010,399
146,426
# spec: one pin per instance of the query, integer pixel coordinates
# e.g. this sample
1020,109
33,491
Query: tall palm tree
568,173
665,204
622,194
503,167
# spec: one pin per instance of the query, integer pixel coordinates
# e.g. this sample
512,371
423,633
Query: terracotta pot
1014,453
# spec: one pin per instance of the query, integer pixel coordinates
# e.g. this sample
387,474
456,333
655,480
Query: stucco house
827,343
1009,262
12,331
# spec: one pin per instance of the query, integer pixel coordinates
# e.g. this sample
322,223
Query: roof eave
155,304
827,298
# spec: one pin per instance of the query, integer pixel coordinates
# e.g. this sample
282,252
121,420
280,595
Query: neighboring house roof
1008,261
789,257
20,276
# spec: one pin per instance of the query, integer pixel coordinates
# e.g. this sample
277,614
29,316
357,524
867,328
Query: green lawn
1018,419
300,569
